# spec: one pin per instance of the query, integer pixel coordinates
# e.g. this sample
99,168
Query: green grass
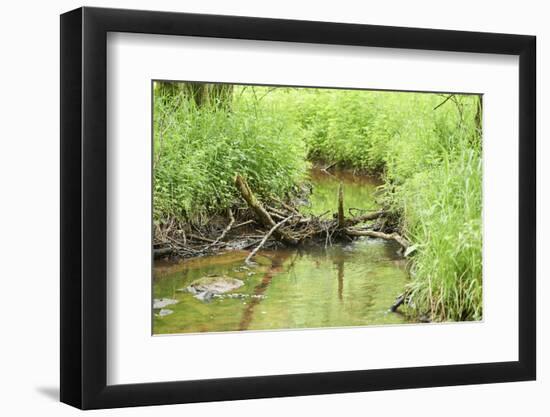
427,153
430,160
198,151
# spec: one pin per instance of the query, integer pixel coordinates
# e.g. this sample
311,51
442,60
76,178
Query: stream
339,285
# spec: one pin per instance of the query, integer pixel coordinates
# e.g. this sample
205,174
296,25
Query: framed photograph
256,208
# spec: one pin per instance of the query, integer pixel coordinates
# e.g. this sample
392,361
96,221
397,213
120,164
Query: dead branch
443,102
204,239
286,206
227,229
328,167
243,224
274,210
341,218
267,236
371,233
247,194
261,213
365,217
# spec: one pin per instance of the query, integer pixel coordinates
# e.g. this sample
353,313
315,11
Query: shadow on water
342,285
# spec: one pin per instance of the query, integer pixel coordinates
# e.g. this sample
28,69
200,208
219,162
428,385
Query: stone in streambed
164,312
163,302
206,287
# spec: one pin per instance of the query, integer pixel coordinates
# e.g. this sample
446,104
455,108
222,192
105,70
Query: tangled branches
279,221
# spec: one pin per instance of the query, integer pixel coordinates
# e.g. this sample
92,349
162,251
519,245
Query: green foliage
198,151
426,147
430,159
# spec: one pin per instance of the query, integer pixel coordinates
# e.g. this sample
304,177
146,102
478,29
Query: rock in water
204,288
163,302
164,312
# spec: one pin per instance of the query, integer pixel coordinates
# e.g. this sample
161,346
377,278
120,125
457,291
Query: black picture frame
84,207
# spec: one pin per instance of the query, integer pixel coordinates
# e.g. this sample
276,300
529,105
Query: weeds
425,147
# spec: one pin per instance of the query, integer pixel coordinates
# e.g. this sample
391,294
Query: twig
204,239
227,229
243,224
257,248
443,102
328,167
286,206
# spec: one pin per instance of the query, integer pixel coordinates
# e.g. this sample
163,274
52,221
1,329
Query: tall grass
429,155
198,151
427,150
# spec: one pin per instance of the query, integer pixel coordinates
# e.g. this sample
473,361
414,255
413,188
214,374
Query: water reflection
342,285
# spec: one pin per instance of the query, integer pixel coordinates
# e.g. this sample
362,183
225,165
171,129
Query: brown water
352,284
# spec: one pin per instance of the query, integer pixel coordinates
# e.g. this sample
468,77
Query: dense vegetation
425,147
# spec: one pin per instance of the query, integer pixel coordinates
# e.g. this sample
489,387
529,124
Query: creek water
339,285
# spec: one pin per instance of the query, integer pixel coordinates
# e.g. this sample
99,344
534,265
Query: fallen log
261,213
371,233
247,194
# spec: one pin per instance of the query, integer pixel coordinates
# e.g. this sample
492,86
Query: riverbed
350,284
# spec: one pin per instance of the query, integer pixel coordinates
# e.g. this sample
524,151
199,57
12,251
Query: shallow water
341,285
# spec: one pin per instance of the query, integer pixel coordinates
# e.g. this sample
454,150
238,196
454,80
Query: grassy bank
426,148
198,150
